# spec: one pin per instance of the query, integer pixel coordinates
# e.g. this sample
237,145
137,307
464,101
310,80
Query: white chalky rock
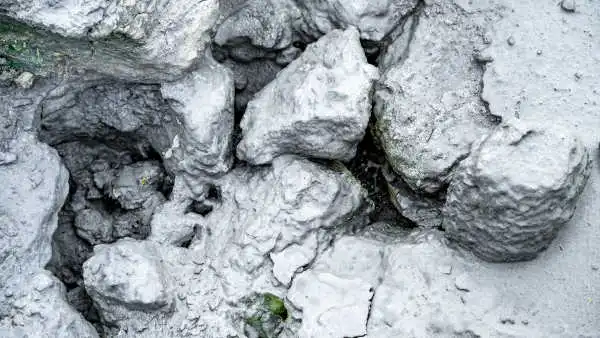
318,106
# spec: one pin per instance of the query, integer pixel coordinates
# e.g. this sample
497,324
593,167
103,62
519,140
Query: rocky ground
306,168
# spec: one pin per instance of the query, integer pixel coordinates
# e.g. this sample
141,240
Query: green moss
269,313
26,48
275,305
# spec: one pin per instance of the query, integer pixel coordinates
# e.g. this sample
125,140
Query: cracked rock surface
306,168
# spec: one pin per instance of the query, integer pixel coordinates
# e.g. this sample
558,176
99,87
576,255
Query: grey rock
34,189
203,101
134,184
318,106
288,261
93,226
257,27
374,19
175,221
427,106
250,78
423,210
40,309
267,210
134,41
125,276
257,213
518,187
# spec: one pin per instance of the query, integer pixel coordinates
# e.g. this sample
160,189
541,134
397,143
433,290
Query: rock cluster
177,168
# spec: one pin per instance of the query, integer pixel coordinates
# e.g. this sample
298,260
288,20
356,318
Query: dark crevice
367,168
200,208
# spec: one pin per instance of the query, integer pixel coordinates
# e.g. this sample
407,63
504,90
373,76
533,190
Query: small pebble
568,5
539,52
595,267
511,41
445,269
578,76
25,80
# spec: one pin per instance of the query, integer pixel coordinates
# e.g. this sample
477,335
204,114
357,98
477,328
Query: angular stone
134,184
331,306
127,275
41,309
318,106
93,226
258,26
135,41
374,19
203,101
427,105
509,198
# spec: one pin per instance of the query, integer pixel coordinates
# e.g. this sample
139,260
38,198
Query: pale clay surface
487,112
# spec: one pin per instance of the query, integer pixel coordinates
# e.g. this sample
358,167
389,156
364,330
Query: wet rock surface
260,168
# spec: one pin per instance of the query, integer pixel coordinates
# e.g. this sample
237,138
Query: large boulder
427,105
134,41
257,29
318,106
374,19
35,185
511,196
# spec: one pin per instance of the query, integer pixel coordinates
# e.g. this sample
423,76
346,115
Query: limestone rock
134,184
318,106
511,196
256,28
125,275
427,105
332,306
269,210
40,309
203,101
134,41
374,19
93,226
34,189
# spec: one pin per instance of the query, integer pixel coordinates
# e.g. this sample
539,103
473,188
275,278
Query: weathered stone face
318,106
506,204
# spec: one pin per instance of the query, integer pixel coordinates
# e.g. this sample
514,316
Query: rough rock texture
511,210
124,276
40,309
278,250
34,184
424,210
191,132
203,101
318,106
257,213
410,287
427,104
135,41
258,28
374,19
